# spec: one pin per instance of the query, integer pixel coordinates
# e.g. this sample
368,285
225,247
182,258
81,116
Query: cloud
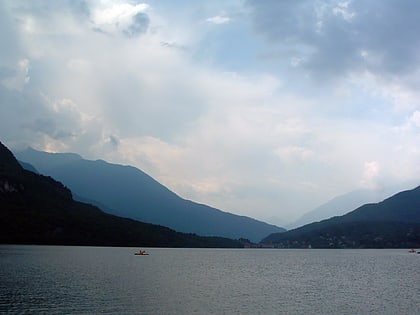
294,153
13,65
19,78
415,119
142,85
219,19
335,38
370,174
127,18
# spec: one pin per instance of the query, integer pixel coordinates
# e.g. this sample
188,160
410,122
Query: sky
260,108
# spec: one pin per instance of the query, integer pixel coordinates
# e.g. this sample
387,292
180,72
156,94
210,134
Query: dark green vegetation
36,209
347,202
392,223
128,192
340,205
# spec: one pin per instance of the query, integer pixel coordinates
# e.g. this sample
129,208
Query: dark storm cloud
333,37
390,28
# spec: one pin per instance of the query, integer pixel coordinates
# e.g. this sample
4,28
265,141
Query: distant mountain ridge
36,209
394,222
347,202
128,192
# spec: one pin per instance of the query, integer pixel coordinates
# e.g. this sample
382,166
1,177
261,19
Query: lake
108,280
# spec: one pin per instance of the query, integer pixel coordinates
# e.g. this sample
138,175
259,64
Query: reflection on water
92,280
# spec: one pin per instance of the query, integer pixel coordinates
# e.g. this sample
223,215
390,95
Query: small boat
141,253
412,251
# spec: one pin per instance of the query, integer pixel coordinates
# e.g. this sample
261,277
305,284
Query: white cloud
114,17
370,174
415,119
81,66
342,8
294,153
117,13
219,19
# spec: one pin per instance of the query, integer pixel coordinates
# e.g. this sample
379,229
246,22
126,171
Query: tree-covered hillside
128,192
36,209
392,223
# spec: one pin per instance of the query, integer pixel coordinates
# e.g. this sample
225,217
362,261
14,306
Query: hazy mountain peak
347,202
66,156
46,160
36,209
393,222
129,192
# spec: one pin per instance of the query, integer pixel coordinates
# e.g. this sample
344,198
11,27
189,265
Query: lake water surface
106,280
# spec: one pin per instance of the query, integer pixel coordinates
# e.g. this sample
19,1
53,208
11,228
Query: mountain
394,222
345,203
28,167
128,192
36,209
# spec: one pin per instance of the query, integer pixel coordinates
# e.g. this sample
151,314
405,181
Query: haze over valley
36,209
